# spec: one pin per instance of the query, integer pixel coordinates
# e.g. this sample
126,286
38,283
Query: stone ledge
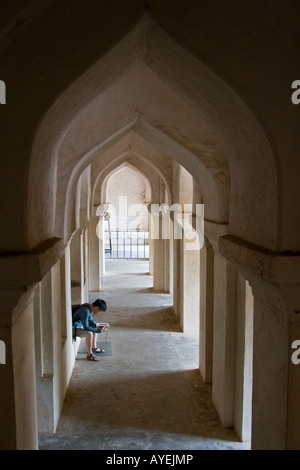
268,264
18,270
275,274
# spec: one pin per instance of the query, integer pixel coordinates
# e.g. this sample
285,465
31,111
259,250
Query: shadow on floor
159,319
157,402
159,411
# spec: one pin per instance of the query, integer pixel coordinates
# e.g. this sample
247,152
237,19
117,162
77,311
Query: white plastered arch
114,172
162,141
149,160
249,155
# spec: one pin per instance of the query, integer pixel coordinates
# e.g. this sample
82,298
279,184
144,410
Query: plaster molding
275,276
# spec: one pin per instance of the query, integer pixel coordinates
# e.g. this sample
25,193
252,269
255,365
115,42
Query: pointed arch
148,160
226,135
135,170
166,146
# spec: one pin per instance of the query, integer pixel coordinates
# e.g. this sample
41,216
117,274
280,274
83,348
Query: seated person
84,321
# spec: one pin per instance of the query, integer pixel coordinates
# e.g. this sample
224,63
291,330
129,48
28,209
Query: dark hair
101,304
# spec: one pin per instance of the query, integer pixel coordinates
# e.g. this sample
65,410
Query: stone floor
146,391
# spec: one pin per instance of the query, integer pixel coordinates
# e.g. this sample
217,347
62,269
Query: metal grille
127,244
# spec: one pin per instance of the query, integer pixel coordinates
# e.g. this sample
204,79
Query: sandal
98,350
92,357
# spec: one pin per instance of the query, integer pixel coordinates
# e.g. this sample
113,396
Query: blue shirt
82,318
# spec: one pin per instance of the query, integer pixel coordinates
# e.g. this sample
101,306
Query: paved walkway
146,391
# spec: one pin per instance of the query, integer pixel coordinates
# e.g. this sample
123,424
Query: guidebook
102,325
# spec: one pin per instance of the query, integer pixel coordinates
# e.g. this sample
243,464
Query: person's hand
104,328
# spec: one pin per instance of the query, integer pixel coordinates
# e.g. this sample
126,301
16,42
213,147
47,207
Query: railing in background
127,244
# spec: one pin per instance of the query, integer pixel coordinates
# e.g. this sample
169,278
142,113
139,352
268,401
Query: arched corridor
146,392
183,108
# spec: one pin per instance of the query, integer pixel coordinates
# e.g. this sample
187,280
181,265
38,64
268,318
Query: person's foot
92,357
98,350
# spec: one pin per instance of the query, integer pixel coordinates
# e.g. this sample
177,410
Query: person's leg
94,340
95,349
89,346
88,341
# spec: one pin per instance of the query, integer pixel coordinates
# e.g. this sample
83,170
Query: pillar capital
24,269
213,231
101,210
275,275
20,272
13,303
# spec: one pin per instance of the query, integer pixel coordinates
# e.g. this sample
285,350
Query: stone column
206,311
270,375
171,260
103,216
276,373
44,353
224,344
275,282
160,266
166,251
244,355
65,293
75,264
18,408
101,236
191,288
18,403
69,346
94,255
177,275
151,243
8,431
84,265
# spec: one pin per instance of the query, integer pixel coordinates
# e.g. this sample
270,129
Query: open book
102,325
